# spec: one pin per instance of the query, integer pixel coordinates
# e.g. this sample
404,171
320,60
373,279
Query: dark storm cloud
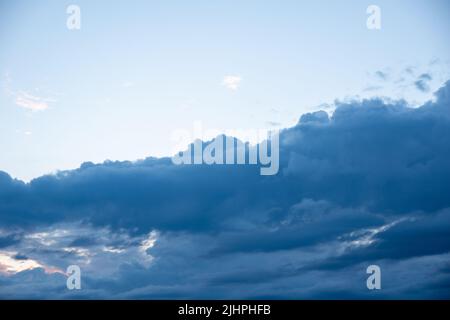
342,180
384,156
422,235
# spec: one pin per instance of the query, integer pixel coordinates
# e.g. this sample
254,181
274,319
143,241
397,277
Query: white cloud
232,82
9,264
24,99
30,102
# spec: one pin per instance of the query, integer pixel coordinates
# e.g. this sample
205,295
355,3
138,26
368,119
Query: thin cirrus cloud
232,82
31,102
24,99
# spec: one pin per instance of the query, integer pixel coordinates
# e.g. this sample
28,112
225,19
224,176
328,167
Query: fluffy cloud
369,184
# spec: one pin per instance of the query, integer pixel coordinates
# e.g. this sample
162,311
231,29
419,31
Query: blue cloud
371,183
422,83
381,75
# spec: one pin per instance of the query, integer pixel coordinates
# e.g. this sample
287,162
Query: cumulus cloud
368,184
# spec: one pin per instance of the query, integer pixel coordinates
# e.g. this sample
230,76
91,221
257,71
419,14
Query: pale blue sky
138,70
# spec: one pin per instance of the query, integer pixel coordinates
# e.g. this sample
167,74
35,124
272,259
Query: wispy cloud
31,102
381,75
422,83
232,82
24,99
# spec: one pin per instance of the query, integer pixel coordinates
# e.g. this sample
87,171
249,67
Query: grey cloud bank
368,185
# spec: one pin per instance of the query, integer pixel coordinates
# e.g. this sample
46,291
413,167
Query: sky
134,73
86,124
